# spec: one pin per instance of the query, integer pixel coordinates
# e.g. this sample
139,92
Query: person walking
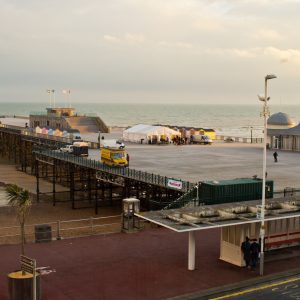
254,250
127,157
275,155
245,247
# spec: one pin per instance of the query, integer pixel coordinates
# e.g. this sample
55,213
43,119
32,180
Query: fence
64,229
252,140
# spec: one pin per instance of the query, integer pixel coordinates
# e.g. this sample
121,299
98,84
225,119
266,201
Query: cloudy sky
198,51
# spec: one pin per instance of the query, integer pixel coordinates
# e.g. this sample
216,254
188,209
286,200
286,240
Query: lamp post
265,114
251,136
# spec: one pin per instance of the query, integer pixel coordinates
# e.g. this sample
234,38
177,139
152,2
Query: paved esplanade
216,162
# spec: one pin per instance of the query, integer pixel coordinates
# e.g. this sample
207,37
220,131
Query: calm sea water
225,119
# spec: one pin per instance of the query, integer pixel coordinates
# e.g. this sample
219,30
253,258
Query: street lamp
265,114
251,136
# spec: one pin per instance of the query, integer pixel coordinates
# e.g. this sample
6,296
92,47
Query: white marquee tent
148,133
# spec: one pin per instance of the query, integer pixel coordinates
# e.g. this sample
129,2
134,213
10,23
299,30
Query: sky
150,51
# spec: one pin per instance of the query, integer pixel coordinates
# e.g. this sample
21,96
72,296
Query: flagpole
53,92
49,92
69,92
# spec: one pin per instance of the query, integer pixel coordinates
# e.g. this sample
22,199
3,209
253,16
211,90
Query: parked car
200,139
229,140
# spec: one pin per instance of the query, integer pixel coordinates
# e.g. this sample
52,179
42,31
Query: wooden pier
89,183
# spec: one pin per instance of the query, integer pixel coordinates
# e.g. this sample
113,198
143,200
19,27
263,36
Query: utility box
129,221
43,233
236,190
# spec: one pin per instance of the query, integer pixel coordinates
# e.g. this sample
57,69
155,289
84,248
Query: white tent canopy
148,133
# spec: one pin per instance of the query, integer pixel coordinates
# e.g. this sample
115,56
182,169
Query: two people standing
251,252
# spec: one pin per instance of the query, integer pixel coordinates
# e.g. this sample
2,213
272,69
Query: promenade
148,265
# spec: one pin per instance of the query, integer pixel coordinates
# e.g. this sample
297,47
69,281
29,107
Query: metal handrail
92,226
184,199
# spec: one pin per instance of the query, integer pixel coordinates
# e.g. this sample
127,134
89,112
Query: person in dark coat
254,250
127,157
275,155
245,247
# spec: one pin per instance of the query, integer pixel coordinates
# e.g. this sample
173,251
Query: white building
283,132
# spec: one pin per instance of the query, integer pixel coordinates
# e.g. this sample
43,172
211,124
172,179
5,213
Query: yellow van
114,157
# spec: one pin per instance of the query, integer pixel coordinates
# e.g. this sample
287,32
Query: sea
233,120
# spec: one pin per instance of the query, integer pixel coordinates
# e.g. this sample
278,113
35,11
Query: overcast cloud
205,51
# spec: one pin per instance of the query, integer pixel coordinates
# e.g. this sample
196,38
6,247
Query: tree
21,201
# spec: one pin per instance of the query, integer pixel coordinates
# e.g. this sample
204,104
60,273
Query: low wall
228,138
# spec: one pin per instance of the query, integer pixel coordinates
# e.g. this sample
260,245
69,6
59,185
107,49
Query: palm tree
21,201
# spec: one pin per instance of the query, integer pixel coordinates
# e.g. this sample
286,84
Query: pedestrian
127,157
275,155
245,247
254,249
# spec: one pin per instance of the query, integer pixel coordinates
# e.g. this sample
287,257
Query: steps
87,124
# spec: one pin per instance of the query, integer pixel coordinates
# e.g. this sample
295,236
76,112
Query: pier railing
138,175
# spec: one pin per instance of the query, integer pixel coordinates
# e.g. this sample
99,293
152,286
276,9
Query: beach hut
50,131
38,129
57,132
65,134
142,133
45,130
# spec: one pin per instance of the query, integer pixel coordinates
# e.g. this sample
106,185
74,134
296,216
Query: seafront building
283,132
67,118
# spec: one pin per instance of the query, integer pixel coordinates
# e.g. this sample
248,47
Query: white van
200,139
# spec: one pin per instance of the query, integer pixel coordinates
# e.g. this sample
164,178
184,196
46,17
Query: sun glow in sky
209,51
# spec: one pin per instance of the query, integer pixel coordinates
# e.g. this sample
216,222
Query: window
117,155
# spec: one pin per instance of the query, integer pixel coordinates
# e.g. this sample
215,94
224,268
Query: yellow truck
113,154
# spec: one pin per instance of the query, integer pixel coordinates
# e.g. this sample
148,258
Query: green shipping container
236,190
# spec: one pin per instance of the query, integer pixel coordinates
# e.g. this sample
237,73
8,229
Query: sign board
175,184
29,265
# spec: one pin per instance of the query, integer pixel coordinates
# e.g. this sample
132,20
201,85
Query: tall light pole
265,114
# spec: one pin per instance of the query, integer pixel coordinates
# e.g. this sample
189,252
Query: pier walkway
145,177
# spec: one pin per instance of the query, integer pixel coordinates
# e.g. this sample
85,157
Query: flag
48,91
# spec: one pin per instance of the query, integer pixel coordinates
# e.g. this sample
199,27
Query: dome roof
281,119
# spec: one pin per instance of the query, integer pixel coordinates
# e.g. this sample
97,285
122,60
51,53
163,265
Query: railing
146,177
247,140
63,229
83,114
191,197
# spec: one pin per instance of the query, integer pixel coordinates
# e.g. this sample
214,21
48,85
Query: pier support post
53,182
192,251
72,185
37,180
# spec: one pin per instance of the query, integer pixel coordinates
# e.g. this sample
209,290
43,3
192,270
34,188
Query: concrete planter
20,286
